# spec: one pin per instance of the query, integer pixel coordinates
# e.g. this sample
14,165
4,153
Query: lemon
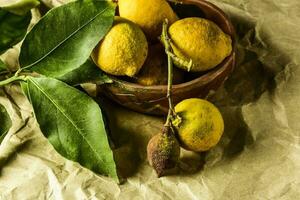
123,50
199,124
155,68
200,40
148,14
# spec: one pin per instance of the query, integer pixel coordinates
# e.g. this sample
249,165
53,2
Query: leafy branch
71,120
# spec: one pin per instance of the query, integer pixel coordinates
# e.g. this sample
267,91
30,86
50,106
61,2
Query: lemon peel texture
123,50
200,126
148,14
201,41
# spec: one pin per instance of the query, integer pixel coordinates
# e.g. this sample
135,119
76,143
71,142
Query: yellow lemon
199,124
148,14
123,50
201,41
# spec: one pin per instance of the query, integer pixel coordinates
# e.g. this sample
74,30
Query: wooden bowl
152,99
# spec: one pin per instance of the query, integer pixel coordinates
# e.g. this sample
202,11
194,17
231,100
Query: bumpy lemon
123,50
155,68
148,14
199,124
200,40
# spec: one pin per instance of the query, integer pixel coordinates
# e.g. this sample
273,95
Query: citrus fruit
201,41
123,50
199,124
148,14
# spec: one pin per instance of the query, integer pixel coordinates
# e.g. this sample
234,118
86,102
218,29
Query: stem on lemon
187,64
166,41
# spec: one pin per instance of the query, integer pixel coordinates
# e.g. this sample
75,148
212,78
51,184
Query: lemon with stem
199,124
200,41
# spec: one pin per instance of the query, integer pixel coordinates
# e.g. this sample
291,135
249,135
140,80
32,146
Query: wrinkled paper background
258,156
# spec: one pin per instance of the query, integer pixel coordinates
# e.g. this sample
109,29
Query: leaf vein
64,40
66,116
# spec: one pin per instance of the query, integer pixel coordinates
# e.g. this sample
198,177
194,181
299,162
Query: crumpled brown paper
258,156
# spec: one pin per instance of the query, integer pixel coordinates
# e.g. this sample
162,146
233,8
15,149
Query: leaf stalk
12,79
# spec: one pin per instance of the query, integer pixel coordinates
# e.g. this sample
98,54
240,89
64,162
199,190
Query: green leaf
5,123
12,29
73,123
65,37
87,73
19,7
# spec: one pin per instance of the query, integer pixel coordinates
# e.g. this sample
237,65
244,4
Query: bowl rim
210,74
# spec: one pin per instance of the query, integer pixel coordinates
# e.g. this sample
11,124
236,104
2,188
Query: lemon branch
14,78
187,64
166,40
